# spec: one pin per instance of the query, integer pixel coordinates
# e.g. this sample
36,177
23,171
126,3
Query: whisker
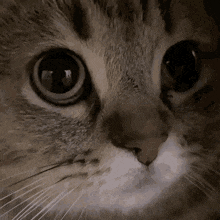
66,194
195,183
207,167
203,168
30,204
16,175
55,218
82,213
215,171
204,183
34,207
72,205
21,189
20,196
36,174
22,203
54,165
51,203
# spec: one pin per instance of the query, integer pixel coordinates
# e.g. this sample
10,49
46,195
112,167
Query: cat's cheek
76,111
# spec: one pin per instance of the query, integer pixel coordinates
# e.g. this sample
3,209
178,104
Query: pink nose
139,131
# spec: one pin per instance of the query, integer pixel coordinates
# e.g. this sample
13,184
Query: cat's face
109,109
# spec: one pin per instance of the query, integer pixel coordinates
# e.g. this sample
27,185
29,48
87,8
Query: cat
109,109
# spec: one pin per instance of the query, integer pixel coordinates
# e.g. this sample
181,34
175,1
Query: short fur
131,148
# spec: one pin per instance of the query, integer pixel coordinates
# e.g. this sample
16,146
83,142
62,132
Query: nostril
136,150
138,153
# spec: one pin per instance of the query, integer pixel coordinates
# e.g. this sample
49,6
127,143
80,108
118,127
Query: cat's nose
147,150
141,134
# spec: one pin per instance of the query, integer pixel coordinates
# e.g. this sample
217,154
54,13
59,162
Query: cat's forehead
129,10
129,20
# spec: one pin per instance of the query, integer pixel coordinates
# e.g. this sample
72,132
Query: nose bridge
136,117
130,108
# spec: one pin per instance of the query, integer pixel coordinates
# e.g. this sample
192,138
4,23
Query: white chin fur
169,164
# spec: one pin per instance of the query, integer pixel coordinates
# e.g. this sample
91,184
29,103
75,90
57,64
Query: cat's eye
181,62
59,77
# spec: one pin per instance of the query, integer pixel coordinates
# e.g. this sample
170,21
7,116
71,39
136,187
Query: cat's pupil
58,73
182,64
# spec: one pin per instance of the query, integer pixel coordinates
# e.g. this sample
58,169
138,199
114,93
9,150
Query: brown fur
81,161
